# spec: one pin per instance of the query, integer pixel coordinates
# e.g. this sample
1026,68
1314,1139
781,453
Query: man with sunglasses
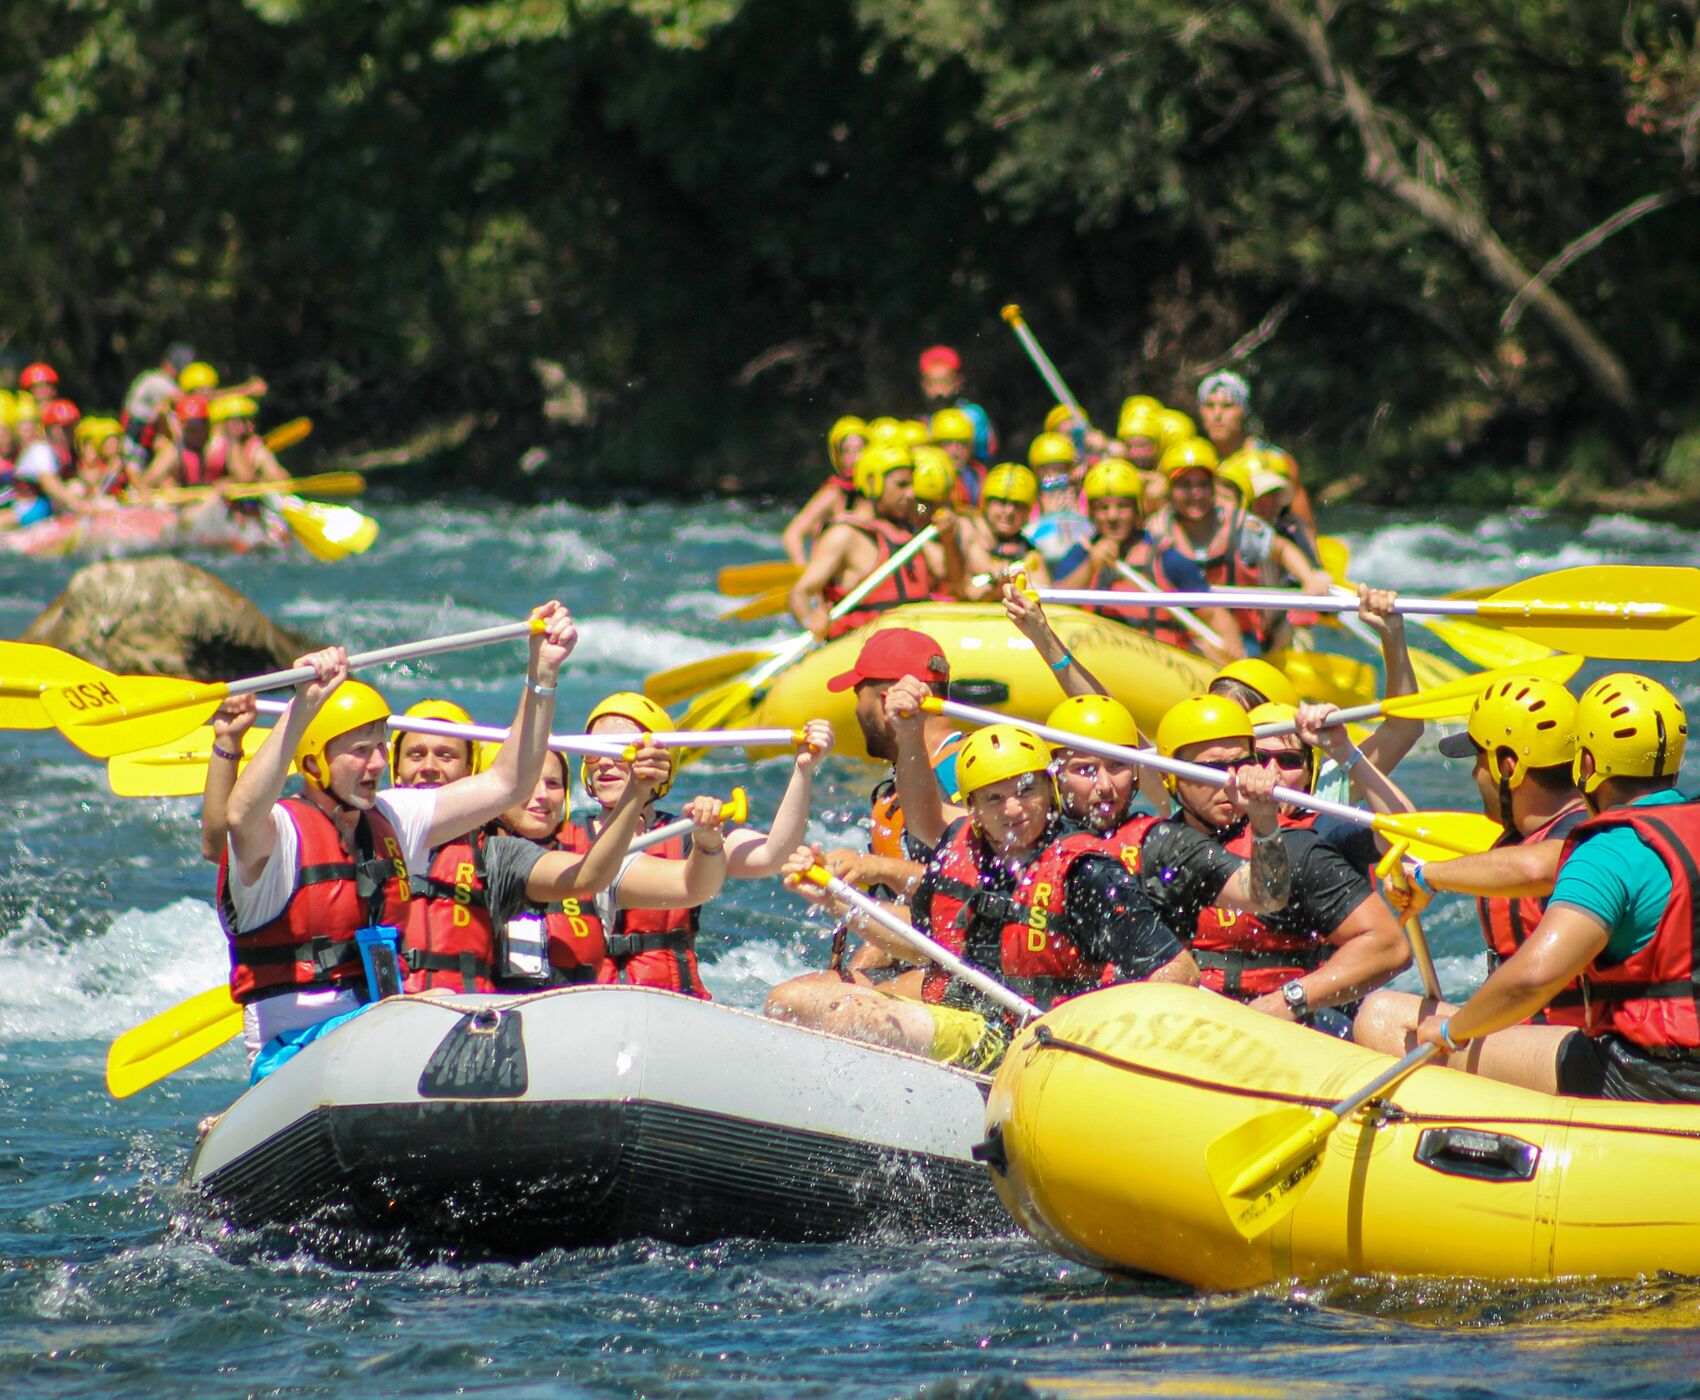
1334,940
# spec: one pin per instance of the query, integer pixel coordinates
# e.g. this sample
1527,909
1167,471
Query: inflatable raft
991,664
1101,1115
128,530
588,1115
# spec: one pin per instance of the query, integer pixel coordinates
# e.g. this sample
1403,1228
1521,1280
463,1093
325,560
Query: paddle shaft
1197,772
796,648
1383,1081
608,746
1277,600
407,651
1042,362
914,938
1203,631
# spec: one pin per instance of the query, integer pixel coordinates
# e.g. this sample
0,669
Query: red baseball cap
939,357
892,654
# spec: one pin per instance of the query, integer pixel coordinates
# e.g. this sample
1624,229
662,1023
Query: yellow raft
1101,1115
991,664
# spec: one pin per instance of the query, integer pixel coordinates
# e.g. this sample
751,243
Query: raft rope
1045,1039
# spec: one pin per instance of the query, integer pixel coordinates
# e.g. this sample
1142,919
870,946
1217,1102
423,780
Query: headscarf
1225,381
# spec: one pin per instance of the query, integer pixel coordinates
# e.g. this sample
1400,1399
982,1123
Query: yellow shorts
965,1038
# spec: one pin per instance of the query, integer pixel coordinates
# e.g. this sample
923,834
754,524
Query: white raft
589,1115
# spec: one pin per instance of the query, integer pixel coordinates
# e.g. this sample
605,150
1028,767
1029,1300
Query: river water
113,1282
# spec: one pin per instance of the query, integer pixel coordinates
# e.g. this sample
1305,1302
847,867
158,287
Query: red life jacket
1158,623
1241,956
1034,957
197,468
310,944
455,943
1652,997
1507,923
915,582
648,947
1222,564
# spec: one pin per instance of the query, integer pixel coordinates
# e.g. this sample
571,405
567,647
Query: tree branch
1577,247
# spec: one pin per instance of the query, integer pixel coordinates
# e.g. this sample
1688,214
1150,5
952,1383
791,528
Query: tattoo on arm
1270,872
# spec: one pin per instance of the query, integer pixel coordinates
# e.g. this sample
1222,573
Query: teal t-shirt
1620,880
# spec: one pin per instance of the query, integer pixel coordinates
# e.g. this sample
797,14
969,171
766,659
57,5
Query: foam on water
104,983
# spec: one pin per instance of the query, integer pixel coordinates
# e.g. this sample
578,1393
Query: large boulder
161,616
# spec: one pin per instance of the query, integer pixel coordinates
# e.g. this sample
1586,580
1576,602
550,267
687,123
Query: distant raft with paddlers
588,1115
991,664
139,529
1102,1118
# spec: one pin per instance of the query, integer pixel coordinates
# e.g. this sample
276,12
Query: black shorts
1610,1067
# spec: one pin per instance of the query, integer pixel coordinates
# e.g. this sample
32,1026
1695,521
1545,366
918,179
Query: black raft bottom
514,1179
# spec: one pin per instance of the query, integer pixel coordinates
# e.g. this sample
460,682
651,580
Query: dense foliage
668,242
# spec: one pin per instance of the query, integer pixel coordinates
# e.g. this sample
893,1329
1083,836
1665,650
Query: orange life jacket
1652,997
915,582
310,944
1159,623
648,947
1507,923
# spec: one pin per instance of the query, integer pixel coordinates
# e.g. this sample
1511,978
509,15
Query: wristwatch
1297,1001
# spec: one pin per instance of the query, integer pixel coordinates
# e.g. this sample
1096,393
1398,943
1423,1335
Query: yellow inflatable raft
1101,1115
991,664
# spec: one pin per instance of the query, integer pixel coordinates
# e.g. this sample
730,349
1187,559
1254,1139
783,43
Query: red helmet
191,406
938,359
37,374
59,413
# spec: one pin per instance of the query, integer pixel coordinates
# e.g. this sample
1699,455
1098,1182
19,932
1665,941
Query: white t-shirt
37,461
150,393
410,811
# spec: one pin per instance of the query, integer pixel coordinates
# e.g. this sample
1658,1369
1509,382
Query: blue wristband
1446,1035
1060,666
1419,879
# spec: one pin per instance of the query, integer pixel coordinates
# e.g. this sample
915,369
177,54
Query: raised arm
813,518
925,816
234,719
1378,791
1260,885
1390,743
831,550
755,855
577,875
467,803
1029,619
654,883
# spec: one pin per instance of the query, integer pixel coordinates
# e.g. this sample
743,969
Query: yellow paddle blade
1334,556
1616,612
1432,670
742,580
1454,699
288,434
1440,835
762,605
26,670
1261,1168
717,710
145,1054
667,688
328,532
324,484
1328,678
1485,646
119,714
175,769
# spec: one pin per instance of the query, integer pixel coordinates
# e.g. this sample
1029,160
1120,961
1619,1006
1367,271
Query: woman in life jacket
1048,912
1333,940
651,913
1122,546
1622,917
833,497
103,472
182,461
999,549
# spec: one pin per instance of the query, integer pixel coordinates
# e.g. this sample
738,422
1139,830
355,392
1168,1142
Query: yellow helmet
26,408
1187,455
951,425
878,461
232,406
1095,717
1010,481
444,710
913,432
1237,470
1141,416
1174,426
1632,727
847,427
1268,681
1114,478
8,407
997,752
935,474
1202,719
1533,717
1050,450
641,711
352,705
1273,712
884,429
197,377
1059,415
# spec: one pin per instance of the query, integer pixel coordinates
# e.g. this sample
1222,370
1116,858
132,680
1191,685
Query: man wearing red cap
941,387
895,861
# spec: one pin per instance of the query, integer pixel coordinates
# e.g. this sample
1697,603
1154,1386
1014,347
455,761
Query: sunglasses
1293,760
